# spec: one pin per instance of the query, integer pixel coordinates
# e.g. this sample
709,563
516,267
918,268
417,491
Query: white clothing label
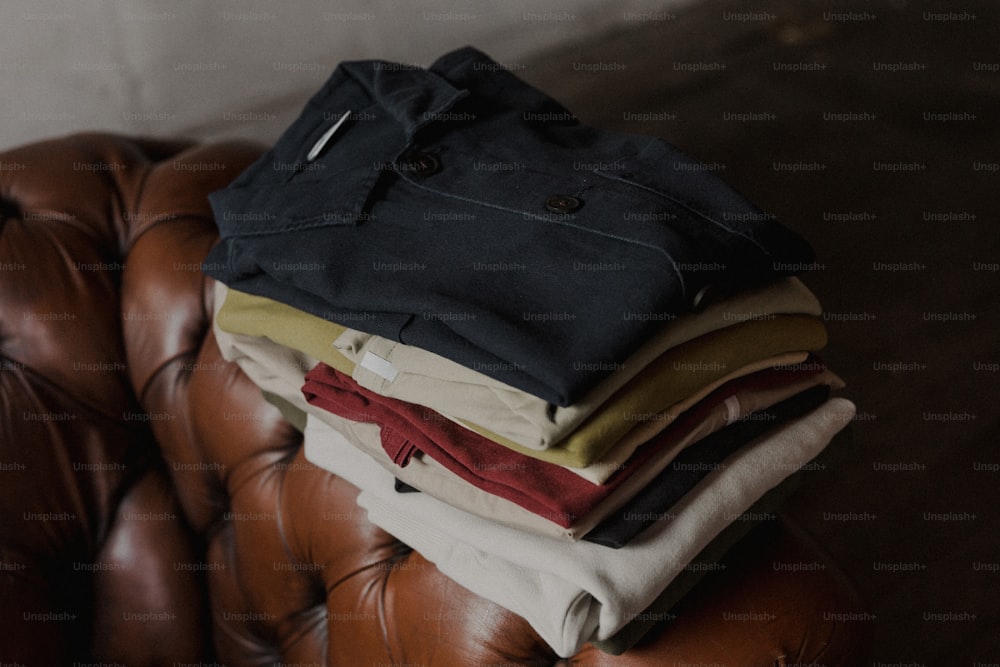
381,367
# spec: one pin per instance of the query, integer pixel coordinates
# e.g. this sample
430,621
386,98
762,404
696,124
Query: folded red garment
542,488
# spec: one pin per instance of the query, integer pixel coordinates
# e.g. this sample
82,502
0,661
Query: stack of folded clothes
560,362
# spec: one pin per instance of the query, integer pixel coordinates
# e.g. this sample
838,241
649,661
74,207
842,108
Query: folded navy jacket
460,210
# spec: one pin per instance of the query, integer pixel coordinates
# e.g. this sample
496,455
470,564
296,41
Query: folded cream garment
280,370
680,373
572,593
490,407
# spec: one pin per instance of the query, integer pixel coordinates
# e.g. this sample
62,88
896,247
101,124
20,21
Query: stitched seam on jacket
686,206
541,218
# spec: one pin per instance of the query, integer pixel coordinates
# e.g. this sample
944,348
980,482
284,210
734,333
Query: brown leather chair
155,510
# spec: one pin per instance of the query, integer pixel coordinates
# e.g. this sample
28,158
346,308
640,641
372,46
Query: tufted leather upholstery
156,510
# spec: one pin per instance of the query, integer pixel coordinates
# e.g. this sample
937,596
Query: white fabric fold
572,593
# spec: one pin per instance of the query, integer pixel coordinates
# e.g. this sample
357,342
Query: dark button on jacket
562,204
424,164
460,210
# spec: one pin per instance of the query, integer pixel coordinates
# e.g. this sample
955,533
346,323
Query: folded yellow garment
251,315
466,396
678,373
611,461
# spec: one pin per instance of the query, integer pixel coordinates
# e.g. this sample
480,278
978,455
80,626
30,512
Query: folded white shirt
572,593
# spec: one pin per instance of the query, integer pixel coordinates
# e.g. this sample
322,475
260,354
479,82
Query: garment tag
379,366
732,409
322,141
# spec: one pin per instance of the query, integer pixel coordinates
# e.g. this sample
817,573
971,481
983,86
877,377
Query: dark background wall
874,130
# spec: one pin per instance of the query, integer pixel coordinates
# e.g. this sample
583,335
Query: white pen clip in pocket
317,147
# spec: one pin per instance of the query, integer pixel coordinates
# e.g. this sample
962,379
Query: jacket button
562,204
423,164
